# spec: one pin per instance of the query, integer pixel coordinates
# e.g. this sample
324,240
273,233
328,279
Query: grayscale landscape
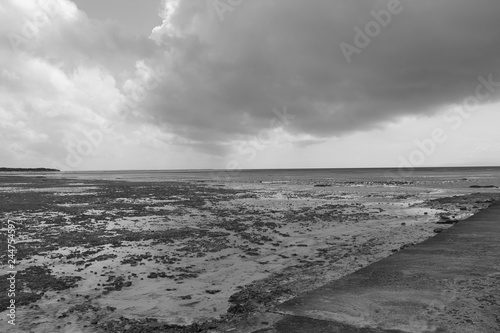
263,166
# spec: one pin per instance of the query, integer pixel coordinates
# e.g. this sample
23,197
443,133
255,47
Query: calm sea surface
483,174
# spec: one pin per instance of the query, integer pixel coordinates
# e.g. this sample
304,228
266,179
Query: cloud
61,76
226,76
211,85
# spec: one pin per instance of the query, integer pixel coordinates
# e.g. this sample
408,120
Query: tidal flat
100,255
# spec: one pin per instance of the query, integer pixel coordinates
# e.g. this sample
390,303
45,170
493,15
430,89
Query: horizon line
277,169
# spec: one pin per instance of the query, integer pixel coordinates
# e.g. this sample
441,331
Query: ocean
481,174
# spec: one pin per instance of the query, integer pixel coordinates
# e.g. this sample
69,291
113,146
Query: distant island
28,170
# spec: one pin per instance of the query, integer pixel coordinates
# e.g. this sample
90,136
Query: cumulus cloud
226,76
61,77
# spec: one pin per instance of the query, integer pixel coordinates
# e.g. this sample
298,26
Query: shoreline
213,253
448,283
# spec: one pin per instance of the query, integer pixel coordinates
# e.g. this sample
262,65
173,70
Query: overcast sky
125,84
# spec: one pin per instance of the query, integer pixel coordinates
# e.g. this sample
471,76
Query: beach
188,252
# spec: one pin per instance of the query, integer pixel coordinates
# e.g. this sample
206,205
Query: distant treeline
28,170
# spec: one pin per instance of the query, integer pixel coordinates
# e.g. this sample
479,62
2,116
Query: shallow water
480,174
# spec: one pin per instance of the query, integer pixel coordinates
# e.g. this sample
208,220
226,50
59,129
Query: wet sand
448,283
115,256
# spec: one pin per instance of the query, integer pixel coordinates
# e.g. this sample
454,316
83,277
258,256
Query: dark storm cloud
226,76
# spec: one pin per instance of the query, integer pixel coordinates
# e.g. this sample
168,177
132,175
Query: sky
240,84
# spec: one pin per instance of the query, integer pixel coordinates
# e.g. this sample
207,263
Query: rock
482,186
212,292
448,222
152,276
438,230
